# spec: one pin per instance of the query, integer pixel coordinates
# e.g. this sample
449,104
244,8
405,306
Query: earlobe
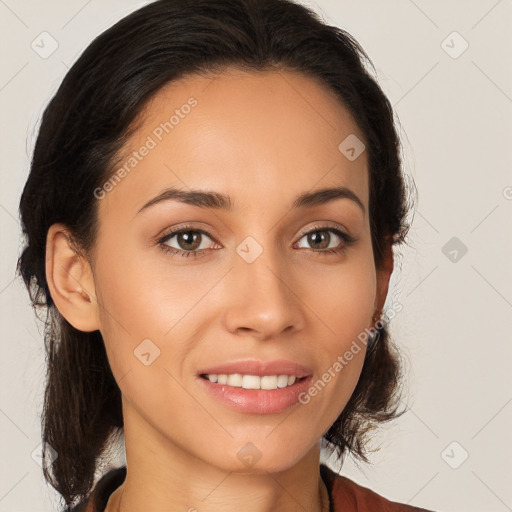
70,280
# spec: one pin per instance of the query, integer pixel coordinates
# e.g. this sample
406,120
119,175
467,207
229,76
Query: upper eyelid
184,229
326,227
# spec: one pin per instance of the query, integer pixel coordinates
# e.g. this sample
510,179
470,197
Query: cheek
140,312
344,303
343,298
134,306
148,306
141,295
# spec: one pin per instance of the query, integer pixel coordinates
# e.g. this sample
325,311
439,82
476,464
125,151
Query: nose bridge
261,290
262,267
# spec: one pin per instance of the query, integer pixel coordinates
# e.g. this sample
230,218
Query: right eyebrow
198,198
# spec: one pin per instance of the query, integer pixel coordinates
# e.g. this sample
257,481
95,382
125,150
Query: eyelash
347,239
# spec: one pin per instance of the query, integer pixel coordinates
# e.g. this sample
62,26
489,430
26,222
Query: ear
70,280
384,275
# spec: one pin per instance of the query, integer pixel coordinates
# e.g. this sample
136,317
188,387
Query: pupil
188,238
323,237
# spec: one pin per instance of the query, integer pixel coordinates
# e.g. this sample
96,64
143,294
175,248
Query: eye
186,241
326,240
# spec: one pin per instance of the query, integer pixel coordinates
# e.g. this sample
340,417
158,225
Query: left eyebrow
324,195
217,200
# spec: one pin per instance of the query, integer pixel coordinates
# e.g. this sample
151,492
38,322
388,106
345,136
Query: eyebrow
219,201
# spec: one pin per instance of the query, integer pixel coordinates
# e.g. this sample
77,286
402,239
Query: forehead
272,133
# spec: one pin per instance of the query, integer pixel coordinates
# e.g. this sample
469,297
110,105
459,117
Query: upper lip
259,368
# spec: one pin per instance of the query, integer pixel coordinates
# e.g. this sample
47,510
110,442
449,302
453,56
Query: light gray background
455,326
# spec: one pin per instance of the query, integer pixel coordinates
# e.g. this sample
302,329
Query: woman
214,197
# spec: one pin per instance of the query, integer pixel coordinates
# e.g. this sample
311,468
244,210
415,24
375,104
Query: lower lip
257,401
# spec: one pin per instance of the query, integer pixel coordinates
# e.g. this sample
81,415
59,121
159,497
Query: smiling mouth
265,382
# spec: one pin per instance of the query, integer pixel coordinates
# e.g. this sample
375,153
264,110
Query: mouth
256,387
246,381
262,395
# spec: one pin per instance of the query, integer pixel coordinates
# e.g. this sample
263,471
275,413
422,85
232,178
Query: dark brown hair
82,132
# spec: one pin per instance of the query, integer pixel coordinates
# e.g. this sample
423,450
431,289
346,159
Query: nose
263,298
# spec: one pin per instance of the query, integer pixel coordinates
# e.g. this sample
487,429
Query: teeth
267,382
235,380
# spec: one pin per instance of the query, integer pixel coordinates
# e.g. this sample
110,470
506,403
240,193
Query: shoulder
347,495
97,500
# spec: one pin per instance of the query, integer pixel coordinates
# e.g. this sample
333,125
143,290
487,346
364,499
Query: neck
162,477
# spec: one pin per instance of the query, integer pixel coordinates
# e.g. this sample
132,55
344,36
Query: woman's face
244,282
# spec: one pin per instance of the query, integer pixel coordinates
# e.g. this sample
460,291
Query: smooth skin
263,139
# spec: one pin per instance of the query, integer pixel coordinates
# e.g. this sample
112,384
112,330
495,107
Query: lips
256,401
259,368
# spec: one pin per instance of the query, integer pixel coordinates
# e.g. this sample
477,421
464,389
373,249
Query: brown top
345,495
